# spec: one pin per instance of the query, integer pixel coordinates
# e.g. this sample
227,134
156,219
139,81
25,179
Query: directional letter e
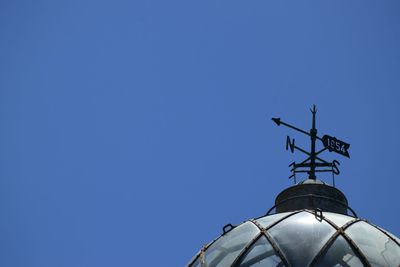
290,144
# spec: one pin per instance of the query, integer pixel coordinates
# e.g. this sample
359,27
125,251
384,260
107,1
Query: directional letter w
290,144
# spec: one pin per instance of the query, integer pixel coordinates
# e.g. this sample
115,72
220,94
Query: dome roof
302,238
311,226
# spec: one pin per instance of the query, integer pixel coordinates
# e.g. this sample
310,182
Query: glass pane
376,246
301,237
261,254
339,254
225,250
338,219
392,235
268,220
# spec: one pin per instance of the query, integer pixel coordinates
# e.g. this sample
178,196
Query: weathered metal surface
311,196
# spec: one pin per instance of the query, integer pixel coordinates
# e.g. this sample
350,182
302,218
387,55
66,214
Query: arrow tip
277,121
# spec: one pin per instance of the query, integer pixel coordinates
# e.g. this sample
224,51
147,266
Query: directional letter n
290,144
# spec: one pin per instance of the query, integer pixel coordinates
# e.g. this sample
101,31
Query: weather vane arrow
279,122
313,163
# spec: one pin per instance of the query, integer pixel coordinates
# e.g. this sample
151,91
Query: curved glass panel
225,250
270,219
339,254
261,254
301,237
378,248
338,219
391,235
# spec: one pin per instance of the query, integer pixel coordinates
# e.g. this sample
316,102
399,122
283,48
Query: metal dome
302,238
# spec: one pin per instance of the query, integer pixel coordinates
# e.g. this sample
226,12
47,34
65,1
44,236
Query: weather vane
313,163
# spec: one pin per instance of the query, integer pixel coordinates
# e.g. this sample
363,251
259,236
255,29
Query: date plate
336,145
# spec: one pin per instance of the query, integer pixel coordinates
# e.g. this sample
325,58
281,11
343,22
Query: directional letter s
335,167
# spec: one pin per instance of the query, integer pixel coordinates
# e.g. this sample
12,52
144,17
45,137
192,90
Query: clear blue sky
132,131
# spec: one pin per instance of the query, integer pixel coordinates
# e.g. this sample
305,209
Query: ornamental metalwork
314,163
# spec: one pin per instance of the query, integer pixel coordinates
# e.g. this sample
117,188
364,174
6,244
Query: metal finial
313,164
313,136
